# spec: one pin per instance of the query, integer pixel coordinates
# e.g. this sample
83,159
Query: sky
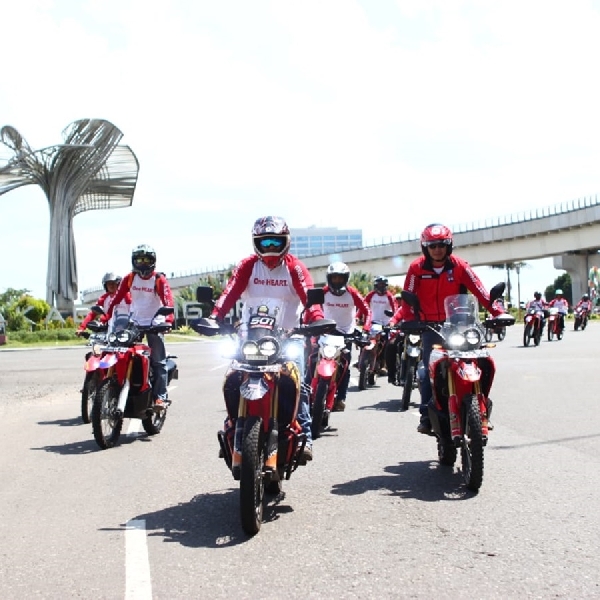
384,116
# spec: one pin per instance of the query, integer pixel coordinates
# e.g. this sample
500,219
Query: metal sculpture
89,171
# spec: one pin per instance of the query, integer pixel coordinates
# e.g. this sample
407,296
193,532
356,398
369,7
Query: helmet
380,284
585,297
537,295
341,269
143,260
271,239
110,277
558,292
436,234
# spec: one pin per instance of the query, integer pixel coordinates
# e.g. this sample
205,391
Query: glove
79,332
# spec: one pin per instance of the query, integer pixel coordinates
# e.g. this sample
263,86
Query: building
324,240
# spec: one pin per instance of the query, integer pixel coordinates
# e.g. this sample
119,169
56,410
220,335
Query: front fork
456,430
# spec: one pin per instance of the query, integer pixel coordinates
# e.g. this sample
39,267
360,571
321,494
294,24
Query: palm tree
513,266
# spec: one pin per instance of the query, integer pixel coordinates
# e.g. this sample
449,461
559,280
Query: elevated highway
568,232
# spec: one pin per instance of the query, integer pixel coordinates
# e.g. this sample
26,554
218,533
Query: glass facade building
324,240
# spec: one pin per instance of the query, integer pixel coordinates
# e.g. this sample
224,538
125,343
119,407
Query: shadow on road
87,446
385,405
574,438
427,481
63,422
210,520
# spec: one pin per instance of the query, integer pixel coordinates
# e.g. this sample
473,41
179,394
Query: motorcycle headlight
268,347
413,339
250,349
472,337
228,348
328,351
456,340
112,338
123,336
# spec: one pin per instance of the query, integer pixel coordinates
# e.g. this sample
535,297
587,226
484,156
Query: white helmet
338,268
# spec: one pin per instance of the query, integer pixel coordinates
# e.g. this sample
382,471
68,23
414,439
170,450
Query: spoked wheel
550,331
502,333
559,334
106,423
527,335
88,393
152,425
488,334
472,446
363,371
408,385
318,407
252,485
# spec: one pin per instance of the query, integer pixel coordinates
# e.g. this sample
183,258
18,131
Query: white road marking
138,585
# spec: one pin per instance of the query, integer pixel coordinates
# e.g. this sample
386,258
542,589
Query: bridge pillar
578,267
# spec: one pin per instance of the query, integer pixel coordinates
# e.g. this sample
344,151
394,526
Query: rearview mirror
204,294
314,296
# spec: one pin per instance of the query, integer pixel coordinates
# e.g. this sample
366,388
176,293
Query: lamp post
518,270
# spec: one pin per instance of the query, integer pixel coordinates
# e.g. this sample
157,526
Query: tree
513,266
562,282
363,282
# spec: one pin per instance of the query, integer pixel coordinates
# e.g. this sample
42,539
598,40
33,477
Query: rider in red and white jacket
274,277
110,283
149,290
344,304
562,304
381,299
433,277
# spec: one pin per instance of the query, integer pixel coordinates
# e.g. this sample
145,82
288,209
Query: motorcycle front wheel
106,423
252,485
527,335
408,384
88,393
537,335
488,334
502,333
472,445
584,324
363,372
577,324
318,407
550,331
153,425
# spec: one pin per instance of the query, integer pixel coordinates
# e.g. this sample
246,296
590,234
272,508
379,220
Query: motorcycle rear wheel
472,445
318,407
527,335
88,393
502,333
252,485
153,425
106,425
447,453
488,334
408,385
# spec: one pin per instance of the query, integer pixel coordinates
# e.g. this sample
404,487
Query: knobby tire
252,485
472,446
318,407
408,384
105,424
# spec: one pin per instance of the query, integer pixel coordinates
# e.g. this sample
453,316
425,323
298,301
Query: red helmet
436,234
271,239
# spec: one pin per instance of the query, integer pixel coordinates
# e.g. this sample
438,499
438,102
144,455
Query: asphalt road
373,516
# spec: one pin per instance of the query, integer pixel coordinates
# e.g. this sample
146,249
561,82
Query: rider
344,304
380,299
540,306
110,283
273,273
562,304
585,303
149,290
432,277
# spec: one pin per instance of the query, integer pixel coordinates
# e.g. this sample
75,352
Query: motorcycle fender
92,364
468,371
108,360
326,368
254,388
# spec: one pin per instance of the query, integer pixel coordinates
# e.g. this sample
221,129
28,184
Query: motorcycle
327,367
581,318
461,370
371,356
533,321
555,328
408,360
125,389
92,379
262,443
499,330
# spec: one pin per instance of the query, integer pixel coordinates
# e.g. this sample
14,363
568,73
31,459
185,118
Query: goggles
143,260
435,245
270,243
